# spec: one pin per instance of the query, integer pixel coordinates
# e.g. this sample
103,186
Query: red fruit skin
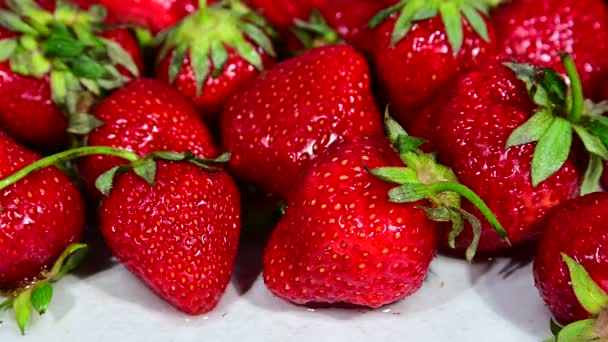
145,116
292,112
605,176
342,241
40,216
180,237
155,15
422,65
472,129
536,31
578,229
216,90
282,14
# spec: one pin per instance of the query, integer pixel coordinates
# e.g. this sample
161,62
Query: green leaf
588,293
593,176
385,13
146,170
552,151
119,56
452,19
393,128
7,48
260,38
477,228
169,156
404,21
199,56
219,56
7,304
409,193
529,74
533,129
398,175
62,44
83,124
42,295
441,214
87,67
22,306
457,227
555,328
476,21
592,143
71,257
408,143
581,331
556,87
59,87
13,22
105,181
177,61
248,52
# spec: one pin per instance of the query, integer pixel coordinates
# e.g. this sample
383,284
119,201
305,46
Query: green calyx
66,46
37,294
562,112
315,32
425,179
452,13
208,33
593,299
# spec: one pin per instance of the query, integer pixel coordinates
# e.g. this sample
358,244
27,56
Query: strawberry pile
161,114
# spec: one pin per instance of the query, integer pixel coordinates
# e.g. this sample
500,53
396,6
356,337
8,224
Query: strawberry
575,232
342,239
507,129
291,113
208,68
536,31
55,63
41,216
420,47
145,116
177,229
283,15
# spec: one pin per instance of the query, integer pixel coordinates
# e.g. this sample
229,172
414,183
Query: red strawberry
536,31
417,56
55,74
144,117
208,68
40,216
341,240
292,112
512,151
577,229
283,15
178,236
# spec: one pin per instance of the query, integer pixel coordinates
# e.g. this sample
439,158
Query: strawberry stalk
315,32
576,86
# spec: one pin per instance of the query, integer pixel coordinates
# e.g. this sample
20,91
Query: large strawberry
144,117
576,233
292,112
421,46
507,130
536,31
343,239
208,68
55,63
41,216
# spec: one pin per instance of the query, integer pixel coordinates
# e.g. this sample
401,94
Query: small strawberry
576,233
55,64
420,47
145,116
536,31
41,216
208,68
177,229
291,113
342,239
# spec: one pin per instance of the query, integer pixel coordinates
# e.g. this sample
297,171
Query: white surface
459,302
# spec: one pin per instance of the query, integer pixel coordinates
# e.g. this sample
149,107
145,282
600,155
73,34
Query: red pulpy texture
471,132
342,241
578,229
291,113
536,31
421,65
27,111
40,216
179,237
145,116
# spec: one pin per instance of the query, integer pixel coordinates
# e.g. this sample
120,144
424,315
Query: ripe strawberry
421,46
54,67
536,31
508,137
179,235
208,68
292,112
145,116
576,229
40,216
283,15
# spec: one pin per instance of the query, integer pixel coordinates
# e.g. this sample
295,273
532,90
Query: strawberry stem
578,99
66,156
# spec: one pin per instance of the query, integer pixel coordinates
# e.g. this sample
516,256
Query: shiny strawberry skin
216,91
422,64
578,229
342,241
472,128
536,31
40,216
145,116
155,15
179,237
292,112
